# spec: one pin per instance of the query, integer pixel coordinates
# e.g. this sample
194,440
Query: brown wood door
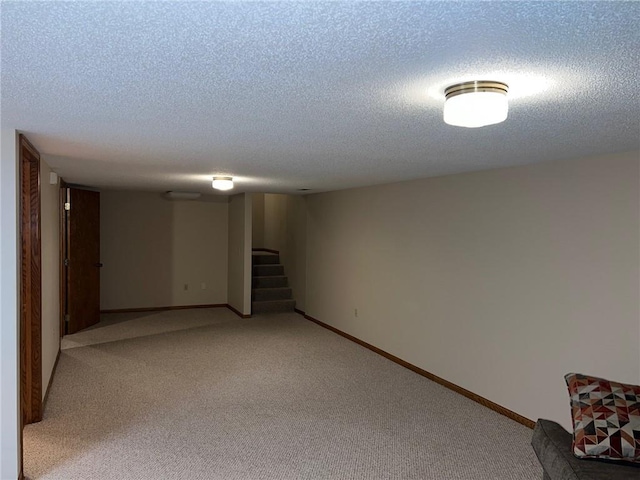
30,285
83,254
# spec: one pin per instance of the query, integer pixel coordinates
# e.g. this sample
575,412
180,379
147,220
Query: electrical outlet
355,312
203,286
186,287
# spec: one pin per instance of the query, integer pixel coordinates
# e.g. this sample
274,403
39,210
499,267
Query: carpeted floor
271,397
121,326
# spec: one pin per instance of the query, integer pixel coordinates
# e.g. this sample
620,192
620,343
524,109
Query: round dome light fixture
222,183
476,103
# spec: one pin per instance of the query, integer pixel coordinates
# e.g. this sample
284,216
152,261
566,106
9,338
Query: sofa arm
552,445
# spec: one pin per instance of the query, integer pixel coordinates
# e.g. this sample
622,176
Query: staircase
270,292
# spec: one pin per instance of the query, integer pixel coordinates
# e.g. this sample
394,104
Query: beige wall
151,248
50,241
499,281
239,272
200,235
275,221
285,231
10,439
296,248
257,224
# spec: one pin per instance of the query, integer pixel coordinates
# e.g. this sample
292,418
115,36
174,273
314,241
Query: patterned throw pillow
606,418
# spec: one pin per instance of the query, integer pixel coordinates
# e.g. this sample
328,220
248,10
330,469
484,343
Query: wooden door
83,260
30,284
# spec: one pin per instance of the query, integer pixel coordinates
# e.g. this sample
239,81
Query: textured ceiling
320,95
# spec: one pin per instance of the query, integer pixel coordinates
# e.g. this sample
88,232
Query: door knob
99,265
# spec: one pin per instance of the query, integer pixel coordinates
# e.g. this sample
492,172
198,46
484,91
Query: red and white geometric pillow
606,418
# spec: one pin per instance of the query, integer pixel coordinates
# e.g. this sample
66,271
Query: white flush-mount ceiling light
222,183
476,104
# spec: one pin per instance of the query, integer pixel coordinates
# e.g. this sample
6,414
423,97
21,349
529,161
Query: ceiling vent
170,195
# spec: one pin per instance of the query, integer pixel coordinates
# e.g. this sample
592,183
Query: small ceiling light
476,104
222,183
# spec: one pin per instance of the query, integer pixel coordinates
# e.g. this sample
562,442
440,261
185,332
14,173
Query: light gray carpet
272,397
119,326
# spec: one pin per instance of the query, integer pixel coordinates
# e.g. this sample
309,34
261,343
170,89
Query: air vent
181,195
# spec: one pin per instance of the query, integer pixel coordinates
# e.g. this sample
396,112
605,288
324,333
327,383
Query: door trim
30,285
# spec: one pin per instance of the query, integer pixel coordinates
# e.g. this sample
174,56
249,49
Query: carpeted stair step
265,259
269,282
272,306
267,270
261,294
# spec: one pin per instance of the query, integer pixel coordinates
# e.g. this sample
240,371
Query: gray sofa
552,445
